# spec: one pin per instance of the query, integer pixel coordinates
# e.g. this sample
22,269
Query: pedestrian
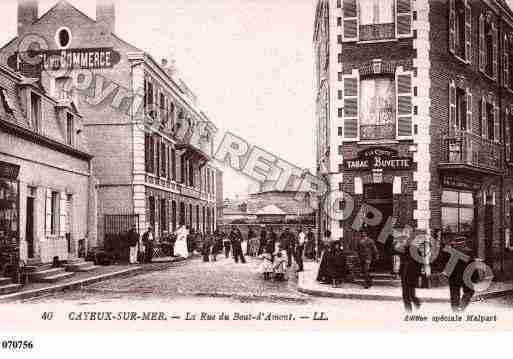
299,249
253,243
368,253
336,262
279,266
287,243
227,245
148,240
410,270
191,241
217,246
266,268
236,238
273,239
310,245
133,241
457,282
206,248
323,275
181,242
263,241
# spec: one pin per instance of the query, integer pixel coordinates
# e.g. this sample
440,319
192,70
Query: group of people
141,249
334,269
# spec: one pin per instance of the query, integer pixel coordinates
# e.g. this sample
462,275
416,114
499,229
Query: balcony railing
472,151
375,32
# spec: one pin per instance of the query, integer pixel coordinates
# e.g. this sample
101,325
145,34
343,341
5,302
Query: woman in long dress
181,242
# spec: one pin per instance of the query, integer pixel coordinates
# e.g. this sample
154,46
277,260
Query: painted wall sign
71,59
378,158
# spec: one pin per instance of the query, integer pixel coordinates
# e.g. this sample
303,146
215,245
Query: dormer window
63,37
35,111
6,101
70,127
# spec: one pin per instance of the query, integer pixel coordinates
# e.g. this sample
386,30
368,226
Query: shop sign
460,183
378,158
9,171
71,59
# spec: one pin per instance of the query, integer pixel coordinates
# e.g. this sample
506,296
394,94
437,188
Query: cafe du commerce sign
70,59
378,158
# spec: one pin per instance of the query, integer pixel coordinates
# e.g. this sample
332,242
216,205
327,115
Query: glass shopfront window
458,212
9,250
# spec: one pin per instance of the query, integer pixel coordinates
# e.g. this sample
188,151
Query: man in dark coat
287,240
457,283
299,249
236,239
263,241
368,253
273,238
133,243
148,241
410,270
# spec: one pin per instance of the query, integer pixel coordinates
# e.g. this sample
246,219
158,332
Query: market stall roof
271,210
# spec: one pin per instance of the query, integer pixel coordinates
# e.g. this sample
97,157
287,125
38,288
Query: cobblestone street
223,278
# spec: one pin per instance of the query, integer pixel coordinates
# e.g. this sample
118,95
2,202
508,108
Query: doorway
488,229
380,196
29,227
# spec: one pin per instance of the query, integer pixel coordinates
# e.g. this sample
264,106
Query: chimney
27,14
106,15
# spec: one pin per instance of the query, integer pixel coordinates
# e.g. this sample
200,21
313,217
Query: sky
250,62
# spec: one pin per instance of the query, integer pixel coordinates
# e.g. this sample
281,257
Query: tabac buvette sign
378,158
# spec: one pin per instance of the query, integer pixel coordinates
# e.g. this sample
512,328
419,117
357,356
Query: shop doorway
380,196
29,227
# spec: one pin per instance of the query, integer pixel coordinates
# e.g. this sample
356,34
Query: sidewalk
308,284
99,274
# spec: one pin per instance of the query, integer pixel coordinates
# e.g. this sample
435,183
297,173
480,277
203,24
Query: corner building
413,117
134,109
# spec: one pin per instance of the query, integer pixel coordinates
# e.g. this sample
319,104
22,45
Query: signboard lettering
378,158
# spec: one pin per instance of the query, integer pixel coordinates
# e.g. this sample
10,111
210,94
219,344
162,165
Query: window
377,108
340,112
163,158
339,39
69,129
149,153
163,114
339,21
63,37
339,58
63,88
490,121
457,212
35,111
54,211
339,131
340,95
173,164
191,174
488,46
152,210
461,110
339,4
376,12
157,159
340,149
460,29
340,75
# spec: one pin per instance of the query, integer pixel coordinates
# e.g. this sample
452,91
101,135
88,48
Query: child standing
279,267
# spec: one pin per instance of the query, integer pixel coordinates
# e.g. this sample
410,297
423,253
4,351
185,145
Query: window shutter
452,26
506,62
48,228
469,110
403,19
496,122
484,125
403,82
507,138
495,51
452,107
468,32
62,214
351,88
350,20
482,44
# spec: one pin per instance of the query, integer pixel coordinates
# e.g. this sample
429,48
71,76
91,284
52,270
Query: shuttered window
52,205
482,43
460,29
468,32
403,18
468,92
452,106
496,122
351,107
495,51
484,121
506,61
350,19
63,214
452,26
404,104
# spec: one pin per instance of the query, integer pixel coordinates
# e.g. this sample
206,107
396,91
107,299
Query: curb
396,298
78,284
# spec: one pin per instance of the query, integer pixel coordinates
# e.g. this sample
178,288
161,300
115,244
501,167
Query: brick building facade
414,108
47,191
150,139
